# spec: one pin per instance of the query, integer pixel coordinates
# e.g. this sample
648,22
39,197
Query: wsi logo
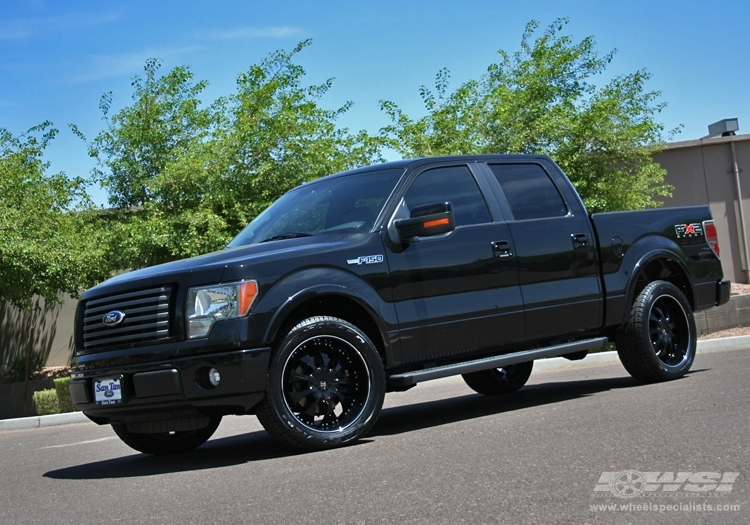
366,259
631,483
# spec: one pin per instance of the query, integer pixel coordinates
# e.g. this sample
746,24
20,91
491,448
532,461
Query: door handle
580,240
502,249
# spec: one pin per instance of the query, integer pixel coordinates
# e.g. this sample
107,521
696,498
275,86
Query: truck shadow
259,446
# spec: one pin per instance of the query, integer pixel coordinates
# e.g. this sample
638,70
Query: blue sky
58,57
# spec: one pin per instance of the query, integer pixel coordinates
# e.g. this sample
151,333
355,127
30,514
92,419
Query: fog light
214,377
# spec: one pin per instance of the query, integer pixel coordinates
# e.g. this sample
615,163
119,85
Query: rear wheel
326,385
496,381
658,342
164,443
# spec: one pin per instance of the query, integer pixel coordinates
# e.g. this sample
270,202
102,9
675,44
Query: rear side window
530,192
454,184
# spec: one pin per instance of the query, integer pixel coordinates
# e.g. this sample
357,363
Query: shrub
62,387
16,369
46,402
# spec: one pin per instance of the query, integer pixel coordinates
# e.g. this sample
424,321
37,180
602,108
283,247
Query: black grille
147,319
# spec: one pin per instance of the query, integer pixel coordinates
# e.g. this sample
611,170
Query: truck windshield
347,204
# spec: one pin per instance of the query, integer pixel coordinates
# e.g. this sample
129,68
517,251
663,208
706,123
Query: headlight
208,304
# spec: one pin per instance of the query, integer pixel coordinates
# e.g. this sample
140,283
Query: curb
704,347
707,346
23,423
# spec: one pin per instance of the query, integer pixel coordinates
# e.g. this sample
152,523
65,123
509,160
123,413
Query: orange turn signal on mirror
436,222
248,293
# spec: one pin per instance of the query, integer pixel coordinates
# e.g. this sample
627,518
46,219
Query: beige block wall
49,329
701,172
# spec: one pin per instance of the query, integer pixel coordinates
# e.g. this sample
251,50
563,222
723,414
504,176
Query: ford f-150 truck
375,279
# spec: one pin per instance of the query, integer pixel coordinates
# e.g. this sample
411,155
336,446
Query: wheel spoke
307,360
297,376
298,395
312,409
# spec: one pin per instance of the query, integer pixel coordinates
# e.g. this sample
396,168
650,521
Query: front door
456,292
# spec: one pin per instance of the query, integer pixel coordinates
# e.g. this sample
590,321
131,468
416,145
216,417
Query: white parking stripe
80,443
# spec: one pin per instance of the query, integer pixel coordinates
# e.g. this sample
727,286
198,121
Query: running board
417,376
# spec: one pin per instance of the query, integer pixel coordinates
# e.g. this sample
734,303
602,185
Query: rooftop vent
725,128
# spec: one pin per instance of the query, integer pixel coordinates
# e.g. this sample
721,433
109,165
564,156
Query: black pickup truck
376,279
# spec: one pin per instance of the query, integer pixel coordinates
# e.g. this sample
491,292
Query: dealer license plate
108,390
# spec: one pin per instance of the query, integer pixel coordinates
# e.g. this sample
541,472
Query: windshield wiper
288,235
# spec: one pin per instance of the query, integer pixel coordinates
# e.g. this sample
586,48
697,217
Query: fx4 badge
688,230
366,259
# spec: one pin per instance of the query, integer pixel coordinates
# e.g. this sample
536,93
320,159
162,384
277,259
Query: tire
326,385
658,342
166,443
496,381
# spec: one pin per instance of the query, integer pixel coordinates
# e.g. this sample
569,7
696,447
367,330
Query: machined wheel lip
681,346
364,401
507,373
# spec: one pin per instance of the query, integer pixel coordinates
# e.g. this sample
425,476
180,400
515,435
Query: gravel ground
737,289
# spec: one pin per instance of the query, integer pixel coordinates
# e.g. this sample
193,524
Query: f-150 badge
366,259
688,230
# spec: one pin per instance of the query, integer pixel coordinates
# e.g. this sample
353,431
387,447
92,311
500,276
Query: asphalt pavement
582,443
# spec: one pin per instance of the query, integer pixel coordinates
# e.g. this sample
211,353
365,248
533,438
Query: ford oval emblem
113,318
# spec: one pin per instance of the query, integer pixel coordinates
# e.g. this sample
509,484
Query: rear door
455,292
555,248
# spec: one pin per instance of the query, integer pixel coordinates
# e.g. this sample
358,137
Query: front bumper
177,389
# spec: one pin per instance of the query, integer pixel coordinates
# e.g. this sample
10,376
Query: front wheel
326,385
497,381
165,443
658,342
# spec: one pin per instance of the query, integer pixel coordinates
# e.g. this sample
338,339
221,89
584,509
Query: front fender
298,287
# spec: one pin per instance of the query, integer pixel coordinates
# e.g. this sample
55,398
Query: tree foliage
542,99
45,248
188,178
163,123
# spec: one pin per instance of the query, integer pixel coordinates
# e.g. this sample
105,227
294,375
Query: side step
417,376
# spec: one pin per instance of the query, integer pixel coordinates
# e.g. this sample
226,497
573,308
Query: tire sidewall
300,433
651,295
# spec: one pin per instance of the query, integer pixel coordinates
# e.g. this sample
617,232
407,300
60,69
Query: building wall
49,329
701,172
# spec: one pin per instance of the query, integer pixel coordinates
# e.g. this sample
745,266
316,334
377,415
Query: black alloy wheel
326,385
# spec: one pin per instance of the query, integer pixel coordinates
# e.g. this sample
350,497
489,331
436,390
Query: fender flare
298,287
646,259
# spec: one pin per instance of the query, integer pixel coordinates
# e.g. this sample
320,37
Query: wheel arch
659,265
341,295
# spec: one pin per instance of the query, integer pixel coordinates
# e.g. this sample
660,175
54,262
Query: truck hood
191,270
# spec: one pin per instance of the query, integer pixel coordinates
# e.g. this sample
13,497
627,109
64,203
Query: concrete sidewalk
710,345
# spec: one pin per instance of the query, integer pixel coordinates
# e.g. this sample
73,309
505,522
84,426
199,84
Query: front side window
347,204
454,184
530,192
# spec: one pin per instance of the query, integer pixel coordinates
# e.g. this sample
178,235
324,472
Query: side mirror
426,220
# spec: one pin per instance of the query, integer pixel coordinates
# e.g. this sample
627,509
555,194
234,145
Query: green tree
189,188
542,99
140,140
47,238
